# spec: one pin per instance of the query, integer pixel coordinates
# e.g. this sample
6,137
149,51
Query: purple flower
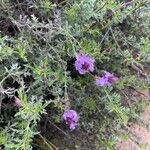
17,102
71,118
107,79
84,64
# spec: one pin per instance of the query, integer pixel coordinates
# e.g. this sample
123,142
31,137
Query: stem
59,129
51,148
0,102
91,75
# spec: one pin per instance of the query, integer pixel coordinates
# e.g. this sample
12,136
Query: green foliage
45,5
113,105
89,105
4,3
21,133
21,47
3,137
37,66
5,50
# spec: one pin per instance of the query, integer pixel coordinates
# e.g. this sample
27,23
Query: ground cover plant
70,70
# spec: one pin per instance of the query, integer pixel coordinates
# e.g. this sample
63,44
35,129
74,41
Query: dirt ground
140,139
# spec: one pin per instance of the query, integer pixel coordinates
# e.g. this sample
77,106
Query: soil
140,132
63,139
78,141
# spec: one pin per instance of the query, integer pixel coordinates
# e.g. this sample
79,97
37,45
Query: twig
59,129
138,91
73,139
50,146
41,147
104,36
128,99
115,39
0,102
116,42
138,70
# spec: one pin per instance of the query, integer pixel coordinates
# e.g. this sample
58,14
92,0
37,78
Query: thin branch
115,39
104,36
50,146
139,92
59,129
128,99
0,102
139,70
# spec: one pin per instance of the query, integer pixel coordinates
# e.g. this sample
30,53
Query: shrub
37,66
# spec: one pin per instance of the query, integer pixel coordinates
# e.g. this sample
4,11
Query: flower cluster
85,64
71,118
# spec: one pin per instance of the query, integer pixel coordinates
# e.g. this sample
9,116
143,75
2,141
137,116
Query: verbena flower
17,102
107,79
71,118
84,64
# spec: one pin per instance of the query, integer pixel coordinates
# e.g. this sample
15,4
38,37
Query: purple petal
17,102
71,118
72,126
84,64
101,81
107,79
